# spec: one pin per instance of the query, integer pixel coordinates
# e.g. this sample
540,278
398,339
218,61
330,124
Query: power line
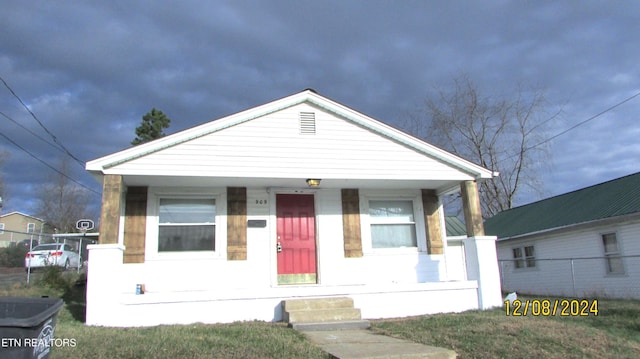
55,139
583,122
48,165
572,127
31,132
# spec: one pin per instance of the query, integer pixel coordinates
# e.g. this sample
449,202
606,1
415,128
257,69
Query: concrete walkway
359,344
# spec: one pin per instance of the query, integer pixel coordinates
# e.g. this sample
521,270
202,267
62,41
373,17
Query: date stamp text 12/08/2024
551,307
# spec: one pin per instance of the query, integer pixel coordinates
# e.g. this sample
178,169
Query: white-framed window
1,228
186,224
392,223
524,257
612,254
31,227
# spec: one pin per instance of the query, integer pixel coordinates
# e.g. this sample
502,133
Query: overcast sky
89,71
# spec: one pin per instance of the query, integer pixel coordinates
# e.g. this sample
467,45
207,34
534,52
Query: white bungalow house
302,197
584,243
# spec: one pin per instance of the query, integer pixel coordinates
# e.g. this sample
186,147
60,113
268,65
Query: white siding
272,147
456,267
402,266
193,271
554,275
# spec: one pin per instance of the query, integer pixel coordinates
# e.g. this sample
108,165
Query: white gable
270,141
273,146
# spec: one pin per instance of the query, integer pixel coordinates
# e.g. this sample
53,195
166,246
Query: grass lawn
613,333
236,340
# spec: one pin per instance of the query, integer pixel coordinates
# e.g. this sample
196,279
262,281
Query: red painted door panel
296,232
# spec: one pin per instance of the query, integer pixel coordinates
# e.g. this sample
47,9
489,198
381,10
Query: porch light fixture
313,182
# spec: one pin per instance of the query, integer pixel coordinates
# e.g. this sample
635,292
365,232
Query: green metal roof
614,198
455,227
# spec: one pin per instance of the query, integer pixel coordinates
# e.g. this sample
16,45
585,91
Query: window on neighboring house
524,257
186,224
1,228
31,227
518,262
612,254
392,224
529,256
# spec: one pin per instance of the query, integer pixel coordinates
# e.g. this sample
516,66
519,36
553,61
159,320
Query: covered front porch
114,303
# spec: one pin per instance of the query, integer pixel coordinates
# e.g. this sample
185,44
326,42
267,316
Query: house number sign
261,202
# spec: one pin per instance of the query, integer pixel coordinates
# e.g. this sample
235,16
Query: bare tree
504,135
61,202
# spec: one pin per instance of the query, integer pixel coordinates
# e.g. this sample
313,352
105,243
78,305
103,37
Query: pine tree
151,127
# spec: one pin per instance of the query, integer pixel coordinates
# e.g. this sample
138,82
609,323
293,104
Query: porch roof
291,183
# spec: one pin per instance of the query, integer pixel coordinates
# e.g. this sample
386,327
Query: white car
58,254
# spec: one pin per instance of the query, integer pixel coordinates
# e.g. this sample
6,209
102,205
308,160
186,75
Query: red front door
296,228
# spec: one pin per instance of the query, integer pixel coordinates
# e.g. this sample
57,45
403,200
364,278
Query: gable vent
307,123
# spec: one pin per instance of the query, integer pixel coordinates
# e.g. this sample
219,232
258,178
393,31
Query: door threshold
296,279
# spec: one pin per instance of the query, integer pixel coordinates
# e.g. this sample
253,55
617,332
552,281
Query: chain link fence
592,277
20,255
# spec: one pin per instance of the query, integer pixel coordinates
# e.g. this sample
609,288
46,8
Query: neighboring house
584,243
301,197
16,226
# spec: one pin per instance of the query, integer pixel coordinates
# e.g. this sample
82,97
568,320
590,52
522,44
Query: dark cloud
89,71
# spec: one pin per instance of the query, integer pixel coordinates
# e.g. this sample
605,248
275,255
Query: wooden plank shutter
351,223
472,209
110,216
236,223
135,224
430,203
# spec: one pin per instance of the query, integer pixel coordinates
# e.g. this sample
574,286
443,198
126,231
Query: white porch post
482,265
480,250
103,282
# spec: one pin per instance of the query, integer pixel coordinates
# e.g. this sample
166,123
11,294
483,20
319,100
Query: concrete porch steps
317,303
337,313
331,326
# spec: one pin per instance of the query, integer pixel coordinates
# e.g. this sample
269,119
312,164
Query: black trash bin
27,326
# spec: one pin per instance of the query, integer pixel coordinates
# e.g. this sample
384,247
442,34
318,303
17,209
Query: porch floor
291,291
